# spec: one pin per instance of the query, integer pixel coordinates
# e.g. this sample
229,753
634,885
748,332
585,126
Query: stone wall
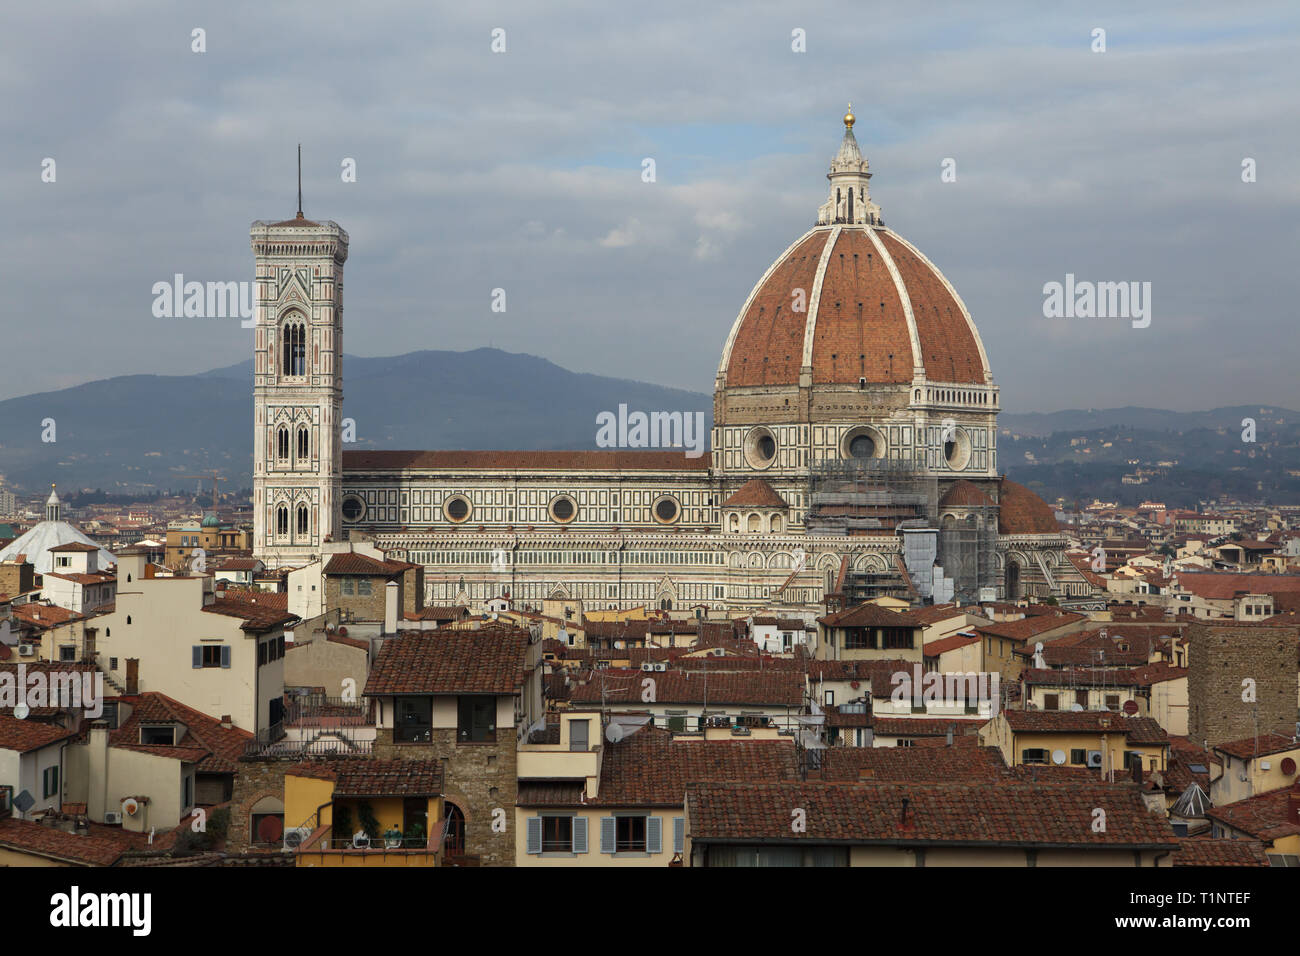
1220,659
478,778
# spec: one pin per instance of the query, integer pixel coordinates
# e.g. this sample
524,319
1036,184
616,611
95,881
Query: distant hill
141,432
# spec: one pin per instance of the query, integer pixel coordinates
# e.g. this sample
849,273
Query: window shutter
197,651
579,834
225,655
679,834
534,834
606,834
654,834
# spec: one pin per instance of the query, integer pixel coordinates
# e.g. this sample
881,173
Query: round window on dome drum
862,446
667,510
563,509
457,509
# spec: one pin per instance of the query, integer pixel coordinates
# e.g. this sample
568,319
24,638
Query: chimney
392,603
226,722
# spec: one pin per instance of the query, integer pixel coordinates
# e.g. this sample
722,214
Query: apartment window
67,652
112,663
363,588
347,586
1112,701
158,736
830,698
211,655
557,834
898,638
412,719
50,781
1081,698
187,793
629,835
476,719
1051,702
1079,758
1033,755
579,735
858,638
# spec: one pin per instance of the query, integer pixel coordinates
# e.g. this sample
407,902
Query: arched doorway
455,842
1013,580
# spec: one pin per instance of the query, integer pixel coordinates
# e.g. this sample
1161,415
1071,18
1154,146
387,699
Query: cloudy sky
522,170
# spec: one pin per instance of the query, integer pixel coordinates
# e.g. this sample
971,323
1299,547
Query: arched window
282,443
282,519
304,443
776,524
754,524
302,519
734,525
294,361
455,841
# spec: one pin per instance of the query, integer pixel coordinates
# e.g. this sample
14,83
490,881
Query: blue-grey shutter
534,834
197,650
679,834
225,655
579,834
654,834
606,834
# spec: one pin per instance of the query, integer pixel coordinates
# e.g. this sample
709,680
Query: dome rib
814,304
971,328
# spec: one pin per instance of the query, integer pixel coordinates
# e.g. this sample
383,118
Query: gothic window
304,444
282,520
302,519
294,360
282,443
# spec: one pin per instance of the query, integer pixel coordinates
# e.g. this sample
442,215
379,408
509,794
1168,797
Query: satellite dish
614,733
130,806
1130,707
1058,757
1076,707
21,710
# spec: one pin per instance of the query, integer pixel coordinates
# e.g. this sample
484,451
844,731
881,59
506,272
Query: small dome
1020,511
964,494
210,520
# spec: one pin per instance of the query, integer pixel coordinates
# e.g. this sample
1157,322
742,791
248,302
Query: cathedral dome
1020,511
852,303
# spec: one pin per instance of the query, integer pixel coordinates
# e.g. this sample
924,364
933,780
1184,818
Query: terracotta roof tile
486,661
27,735
751,688
1020,511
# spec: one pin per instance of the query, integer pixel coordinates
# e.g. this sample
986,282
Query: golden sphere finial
849,118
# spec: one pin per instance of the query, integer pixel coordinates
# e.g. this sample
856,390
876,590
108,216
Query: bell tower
297,386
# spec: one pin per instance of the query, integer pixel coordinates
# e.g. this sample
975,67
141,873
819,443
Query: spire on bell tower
849,202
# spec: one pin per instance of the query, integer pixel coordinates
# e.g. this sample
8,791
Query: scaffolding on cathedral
942,561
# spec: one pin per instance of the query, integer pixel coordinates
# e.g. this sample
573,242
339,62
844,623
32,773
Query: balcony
317,726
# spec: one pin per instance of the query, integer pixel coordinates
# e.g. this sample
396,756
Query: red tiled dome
882,311
1020,511
964,494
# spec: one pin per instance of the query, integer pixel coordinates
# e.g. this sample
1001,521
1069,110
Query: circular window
667,510
563,508
956,450
353,508
760,448
457,509
862,443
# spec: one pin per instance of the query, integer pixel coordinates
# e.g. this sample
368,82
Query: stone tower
1241,681
297,387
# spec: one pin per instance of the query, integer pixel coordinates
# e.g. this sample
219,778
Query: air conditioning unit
294,837
26,650
661,666
647,666
112,816
1094,758
719,652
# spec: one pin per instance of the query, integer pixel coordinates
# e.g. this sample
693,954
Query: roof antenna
300,180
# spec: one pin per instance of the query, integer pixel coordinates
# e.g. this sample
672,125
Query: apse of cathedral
853,452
